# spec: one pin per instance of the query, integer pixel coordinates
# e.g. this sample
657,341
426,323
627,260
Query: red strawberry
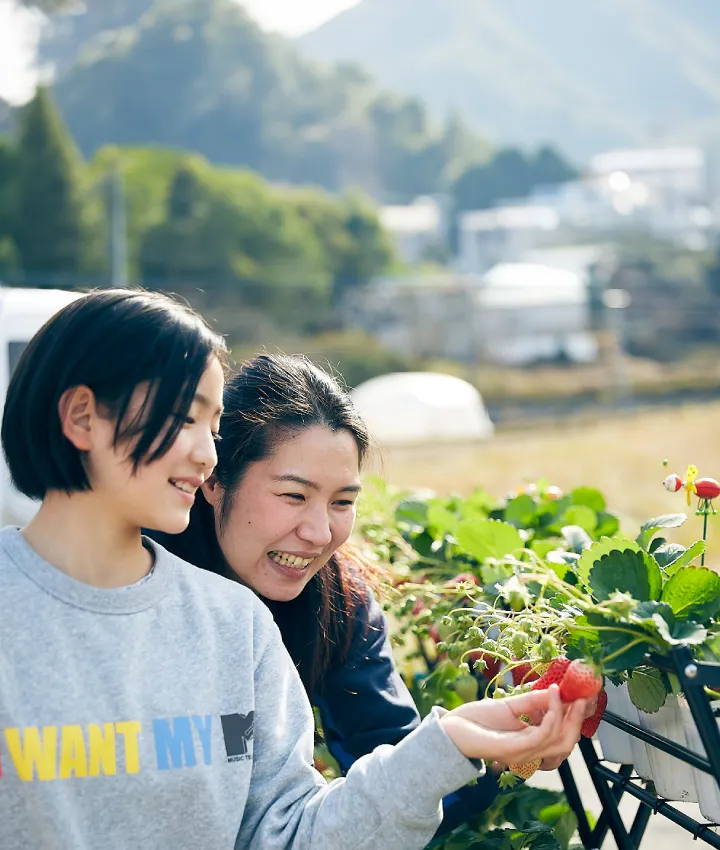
523,674
554,674
492,664
419,607
579,682
590,725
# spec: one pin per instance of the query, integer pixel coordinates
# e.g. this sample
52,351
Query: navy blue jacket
365,703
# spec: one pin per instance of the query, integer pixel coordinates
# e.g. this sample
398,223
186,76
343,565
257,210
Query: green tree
49,228
355,246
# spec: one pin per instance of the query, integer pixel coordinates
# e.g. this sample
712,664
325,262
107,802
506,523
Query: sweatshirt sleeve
364,701
389,798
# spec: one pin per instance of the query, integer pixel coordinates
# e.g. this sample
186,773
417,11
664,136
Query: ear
213,491
77,410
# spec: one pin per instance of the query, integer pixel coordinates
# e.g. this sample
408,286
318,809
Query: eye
345,503
186,420
296,497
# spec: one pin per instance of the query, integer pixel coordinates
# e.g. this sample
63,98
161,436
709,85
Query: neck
83,539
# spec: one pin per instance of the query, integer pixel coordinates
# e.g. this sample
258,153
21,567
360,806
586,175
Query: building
517,313
415,228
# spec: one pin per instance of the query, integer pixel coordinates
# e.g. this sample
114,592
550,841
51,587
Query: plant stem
705,516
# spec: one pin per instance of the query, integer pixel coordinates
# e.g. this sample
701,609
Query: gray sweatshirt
168,715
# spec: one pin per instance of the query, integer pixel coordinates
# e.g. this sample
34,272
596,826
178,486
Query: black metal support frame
611,785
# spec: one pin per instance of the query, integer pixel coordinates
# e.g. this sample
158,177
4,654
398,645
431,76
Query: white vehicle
22,313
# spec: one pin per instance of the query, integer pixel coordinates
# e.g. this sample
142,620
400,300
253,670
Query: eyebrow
296,479
204,401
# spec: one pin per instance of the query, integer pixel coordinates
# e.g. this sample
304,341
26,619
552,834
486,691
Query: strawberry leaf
685,558
693,592
488,538
647,690
591,556
648,529
635,573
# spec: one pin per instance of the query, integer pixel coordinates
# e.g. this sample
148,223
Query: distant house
415,227
662,192
516,313
665,190
487,237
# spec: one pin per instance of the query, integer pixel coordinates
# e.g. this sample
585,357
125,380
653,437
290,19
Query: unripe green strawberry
554,674
579,682
466,687
590,725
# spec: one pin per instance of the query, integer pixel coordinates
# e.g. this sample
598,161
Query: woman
146,703
276,515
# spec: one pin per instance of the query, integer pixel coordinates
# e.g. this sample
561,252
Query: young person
276,515
144,702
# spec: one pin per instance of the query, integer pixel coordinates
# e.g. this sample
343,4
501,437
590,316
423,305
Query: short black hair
110,341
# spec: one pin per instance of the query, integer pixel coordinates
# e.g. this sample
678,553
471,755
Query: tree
355,246
49,229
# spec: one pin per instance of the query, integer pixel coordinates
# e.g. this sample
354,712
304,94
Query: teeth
184,486
293,561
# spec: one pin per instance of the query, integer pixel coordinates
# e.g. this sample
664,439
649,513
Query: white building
662,192
516,313
414,227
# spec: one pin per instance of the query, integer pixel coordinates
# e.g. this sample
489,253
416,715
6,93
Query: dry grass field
620,455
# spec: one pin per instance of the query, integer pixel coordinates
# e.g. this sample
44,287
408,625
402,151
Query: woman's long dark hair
271,398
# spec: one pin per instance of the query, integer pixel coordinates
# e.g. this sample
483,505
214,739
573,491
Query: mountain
202,76
585,75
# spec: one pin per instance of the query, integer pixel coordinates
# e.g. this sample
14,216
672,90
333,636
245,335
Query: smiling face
159,494
290,512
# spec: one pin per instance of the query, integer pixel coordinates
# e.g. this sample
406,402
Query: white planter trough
616,745
708,793
673,778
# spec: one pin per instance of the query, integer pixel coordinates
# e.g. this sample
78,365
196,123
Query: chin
283,594
170,524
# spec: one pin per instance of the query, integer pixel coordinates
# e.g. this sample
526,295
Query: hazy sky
19,31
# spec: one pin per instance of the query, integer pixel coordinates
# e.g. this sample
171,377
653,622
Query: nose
204,452
314,527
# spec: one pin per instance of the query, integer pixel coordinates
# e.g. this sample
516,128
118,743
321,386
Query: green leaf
648,529
693,592
647,690
413,513
685,633
521,511
602,547
636,573
576,538
580,515
607,525
686,558
590,497
542,547
441,521
668,553
488,538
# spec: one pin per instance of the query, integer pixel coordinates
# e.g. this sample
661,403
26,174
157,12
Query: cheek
342,527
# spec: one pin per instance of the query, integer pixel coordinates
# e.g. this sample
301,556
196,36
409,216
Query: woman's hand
492,729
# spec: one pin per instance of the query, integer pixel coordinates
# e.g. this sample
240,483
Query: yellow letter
102,749
73,755
130,730
29,752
